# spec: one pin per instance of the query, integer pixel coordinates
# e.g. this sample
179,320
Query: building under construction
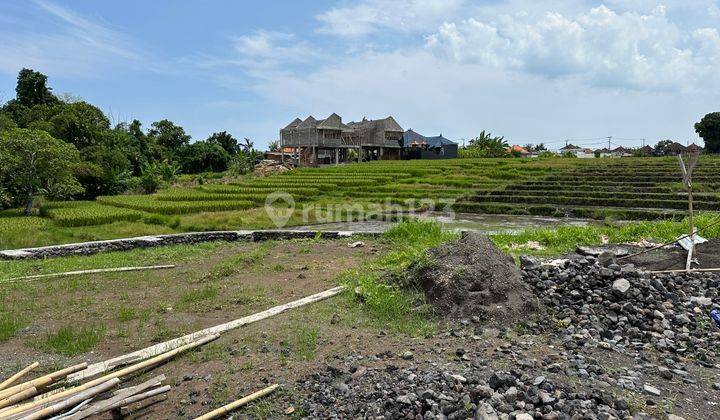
327,141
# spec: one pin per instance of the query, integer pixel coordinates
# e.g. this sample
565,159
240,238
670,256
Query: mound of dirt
471,277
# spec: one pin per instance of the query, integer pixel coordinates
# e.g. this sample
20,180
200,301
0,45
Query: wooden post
687,182
337,156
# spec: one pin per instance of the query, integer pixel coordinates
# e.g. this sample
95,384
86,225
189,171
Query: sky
527,70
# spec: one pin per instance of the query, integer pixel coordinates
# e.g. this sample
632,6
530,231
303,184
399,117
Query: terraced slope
627,188
630,189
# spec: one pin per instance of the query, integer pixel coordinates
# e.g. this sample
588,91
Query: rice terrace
298,266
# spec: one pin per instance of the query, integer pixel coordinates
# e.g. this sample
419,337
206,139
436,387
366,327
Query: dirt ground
134,310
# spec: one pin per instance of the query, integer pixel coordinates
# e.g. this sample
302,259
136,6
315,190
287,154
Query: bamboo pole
101,367
73,400
20,396
93,271
139,397
109,404
122,372
7,382
41,381
233,405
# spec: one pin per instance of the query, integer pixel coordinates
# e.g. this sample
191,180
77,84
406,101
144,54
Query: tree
79,123
224,140
6,122
203,157
662,148
32,89
274,146
168,135
540,147
487,145
34,163
709,129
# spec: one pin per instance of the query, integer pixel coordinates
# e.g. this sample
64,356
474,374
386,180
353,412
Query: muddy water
486,223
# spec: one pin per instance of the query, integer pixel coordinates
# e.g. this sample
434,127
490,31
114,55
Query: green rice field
602,188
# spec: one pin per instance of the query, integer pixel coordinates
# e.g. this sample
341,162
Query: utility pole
609,141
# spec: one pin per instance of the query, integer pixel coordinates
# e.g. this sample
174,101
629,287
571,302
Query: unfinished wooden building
331,141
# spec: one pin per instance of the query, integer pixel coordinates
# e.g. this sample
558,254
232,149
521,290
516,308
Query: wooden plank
9,381
81,272
234,405
151,351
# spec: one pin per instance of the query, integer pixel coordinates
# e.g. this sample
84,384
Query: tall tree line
102,158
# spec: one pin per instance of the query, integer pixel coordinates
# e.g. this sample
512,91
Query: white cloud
65,43
370,16
599,46
432,95
264,53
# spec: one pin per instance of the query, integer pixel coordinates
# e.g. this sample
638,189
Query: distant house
646,151
675,148
418,146
621,152
580,152
694,148
516,149
330,140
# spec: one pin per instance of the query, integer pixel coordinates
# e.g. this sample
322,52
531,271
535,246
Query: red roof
516,148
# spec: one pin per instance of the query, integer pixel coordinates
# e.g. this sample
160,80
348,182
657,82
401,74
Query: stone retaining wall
126,244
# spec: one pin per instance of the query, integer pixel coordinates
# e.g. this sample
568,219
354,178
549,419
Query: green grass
195,296
10,324
306,342
69,341
387,304
566,238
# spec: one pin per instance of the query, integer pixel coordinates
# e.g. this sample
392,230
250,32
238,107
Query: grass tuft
10,324
389,305
70,342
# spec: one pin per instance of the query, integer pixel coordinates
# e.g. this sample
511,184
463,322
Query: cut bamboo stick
41,381
20,396
93,271
139,397
140,410
7,382
73,400
108,404
122,372
151,351
233,405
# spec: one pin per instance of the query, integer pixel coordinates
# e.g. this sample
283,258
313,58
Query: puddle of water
486,223
496,223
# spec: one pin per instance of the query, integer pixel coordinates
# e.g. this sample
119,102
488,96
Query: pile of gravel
426,392
597,301
472,278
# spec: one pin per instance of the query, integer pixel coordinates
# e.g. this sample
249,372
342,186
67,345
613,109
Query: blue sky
531,71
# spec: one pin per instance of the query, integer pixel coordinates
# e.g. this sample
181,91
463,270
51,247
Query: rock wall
126,244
